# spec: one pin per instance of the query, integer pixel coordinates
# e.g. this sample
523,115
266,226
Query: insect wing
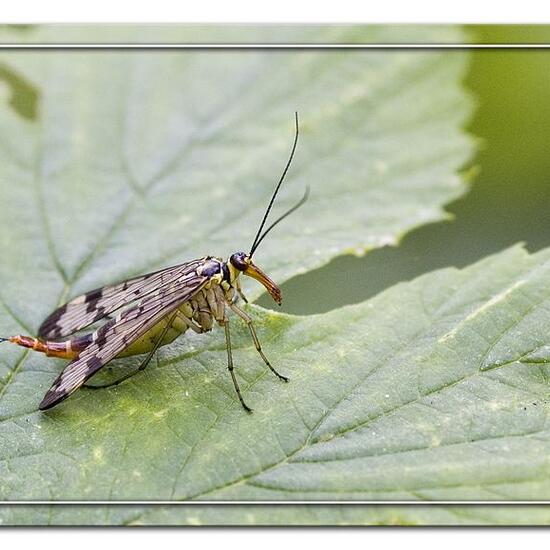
117,334
88,308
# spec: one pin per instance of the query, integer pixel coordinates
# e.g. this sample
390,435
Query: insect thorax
198,313
218,271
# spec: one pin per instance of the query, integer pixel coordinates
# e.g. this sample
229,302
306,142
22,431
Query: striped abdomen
198,314
68,350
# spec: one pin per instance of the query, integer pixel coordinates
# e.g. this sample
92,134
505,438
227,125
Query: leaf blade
136,168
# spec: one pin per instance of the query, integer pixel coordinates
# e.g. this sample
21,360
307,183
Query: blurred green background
509,199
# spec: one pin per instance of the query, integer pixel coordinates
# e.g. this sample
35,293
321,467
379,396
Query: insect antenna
259,237
281,218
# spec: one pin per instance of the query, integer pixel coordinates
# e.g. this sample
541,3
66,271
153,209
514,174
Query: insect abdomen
198,314
147,342
66,350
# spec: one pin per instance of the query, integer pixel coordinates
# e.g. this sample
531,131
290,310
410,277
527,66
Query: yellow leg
225,324
246,318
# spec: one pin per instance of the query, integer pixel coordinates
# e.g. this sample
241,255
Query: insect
153,310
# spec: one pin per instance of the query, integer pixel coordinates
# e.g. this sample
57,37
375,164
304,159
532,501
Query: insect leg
143,364
246,318
240,292
225,324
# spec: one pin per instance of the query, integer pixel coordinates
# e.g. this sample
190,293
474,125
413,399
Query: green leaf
141,159
227,514
420,393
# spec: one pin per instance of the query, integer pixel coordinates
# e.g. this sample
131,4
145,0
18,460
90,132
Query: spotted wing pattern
117,334
88,308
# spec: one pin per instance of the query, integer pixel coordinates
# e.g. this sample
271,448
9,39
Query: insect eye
238,261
